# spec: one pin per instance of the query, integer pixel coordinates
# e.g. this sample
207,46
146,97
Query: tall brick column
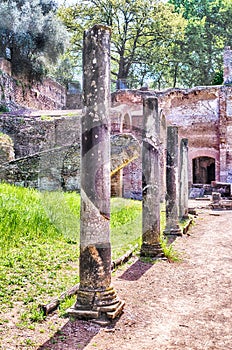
183,193
151,179
172,188
96,298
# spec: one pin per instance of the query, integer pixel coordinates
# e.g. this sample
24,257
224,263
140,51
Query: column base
173,231
152,251
99,306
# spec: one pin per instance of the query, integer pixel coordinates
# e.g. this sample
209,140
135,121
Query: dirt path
185,305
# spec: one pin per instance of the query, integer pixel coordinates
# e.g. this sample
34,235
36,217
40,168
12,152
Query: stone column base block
152,250
173,232
98,306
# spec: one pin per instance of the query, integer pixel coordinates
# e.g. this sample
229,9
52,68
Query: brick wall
46,95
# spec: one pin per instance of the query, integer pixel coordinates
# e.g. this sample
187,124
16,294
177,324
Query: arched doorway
126,123
203,170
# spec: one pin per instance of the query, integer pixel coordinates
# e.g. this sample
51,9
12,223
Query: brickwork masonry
46,95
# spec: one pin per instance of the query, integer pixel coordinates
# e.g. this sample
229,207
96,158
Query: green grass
39,245
126,225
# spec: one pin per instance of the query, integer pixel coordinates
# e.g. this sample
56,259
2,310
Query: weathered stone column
163,140
183,195
172,224
151,179
96,298
227,60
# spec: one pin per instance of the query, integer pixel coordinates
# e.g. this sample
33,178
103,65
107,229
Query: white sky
67,2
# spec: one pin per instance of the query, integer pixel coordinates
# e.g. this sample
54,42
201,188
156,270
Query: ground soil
181,305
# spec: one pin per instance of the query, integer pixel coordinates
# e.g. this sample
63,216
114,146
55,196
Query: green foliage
65,304
126,225
39,245
3,109
169,252
36,260
141,30
64,70
31,36
208,31
46,117
174,43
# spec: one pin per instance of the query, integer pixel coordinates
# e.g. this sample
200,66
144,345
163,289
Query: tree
209,29
141,30
31,36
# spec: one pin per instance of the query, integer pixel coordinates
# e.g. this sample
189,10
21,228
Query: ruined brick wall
74,101
203,115
35,134
132,180
128,181
46,95
5,66
196,113
6,149
47,152
55,169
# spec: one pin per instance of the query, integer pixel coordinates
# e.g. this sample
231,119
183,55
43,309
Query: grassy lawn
39,244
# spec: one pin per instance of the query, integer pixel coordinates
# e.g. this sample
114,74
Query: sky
67,2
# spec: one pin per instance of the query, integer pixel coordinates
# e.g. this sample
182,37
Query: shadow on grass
73,335
135,271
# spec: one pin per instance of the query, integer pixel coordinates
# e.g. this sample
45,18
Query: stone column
151,179
96,298
183,195
172,224
227,59
163,140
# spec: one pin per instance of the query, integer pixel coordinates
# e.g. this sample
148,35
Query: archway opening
203,170
126,125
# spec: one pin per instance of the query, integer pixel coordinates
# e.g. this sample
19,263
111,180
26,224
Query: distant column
172,224
163,140
227,58
183,195
96,298
151,179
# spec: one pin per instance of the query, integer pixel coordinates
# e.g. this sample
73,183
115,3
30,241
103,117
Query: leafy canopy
208,31
31,35
141,32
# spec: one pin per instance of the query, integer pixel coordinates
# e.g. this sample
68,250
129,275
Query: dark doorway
126,126
203,170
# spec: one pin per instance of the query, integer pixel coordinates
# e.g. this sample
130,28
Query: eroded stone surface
96,298
151,178
172,184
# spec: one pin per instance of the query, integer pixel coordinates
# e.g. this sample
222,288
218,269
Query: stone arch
126,123
125,149
207,160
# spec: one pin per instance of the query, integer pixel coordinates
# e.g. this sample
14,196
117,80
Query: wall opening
203,170
116,184
126,124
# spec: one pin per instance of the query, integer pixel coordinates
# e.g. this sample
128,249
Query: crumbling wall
45,95
6,149
35,134
202,115
196,113
5,66
54,169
